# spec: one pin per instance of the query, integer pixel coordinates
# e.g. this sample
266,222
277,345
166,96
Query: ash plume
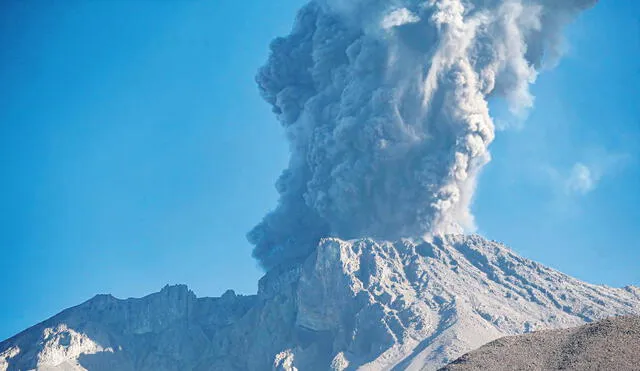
384,104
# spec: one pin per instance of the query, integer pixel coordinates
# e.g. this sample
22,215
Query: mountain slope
611,344
351,304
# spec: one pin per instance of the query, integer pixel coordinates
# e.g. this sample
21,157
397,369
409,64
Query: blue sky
135,151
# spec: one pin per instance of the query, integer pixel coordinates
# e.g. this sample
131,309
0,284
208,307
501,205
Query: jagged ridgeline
385,107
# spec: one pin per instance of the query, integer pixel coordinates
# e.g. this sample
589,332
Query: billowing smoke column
384,103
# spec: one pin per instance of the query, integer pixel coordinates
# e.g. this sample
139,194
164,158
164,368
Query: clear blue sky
135,151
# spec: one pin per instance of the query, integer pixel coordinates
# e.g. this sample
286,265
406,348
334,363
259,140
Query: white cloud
585,176
581,180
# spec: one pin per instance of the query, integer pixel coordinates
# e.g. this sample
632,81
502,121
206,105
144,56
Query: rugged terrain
612,344
351,304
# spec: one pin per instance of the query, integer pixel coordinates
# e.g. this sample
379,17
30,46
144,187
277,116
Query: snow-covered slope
351,304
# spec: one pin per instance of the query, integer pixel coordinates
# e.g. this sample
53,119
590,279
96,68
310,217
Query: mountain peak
180,288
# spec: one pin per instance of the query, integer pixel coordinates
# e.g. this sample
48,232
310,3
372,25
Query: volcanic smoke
385,106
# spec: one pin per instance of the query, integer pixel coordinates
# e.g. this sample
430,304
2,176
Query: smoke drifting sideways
384,104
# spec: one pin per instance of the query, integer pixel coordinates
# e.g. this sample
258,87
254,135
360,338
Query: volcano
359,304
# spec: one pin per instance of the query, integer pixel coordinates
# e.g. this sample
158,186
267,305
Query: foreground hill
351,304
612,344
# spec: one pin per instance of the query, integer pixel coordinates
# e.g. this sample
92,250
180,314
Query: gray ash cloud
385,106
